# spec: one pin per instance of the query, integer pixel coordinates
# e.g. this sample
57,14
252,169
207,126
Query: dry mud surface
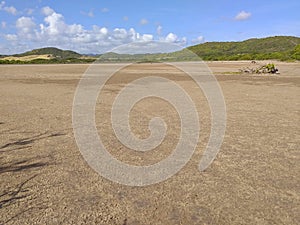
255,178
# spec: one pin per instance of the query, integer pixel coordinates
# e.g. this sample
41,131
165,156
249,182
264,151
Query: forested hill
278,47
54,52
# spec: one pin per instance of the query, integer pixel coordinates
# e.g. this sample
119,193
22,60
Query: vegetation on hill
283,48
279,47
54,52
183,55
54,56
296,52
49,61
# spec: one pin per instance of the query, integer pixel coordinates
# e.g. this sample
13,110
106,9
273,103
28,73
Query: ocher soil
255,178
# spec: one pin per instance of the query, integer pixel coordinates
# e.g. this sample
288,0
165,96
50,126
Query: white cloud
104,10
198,40
9,9
144,21
90,14
29,11
12,10
25,24
2,5
119,33
3,24
243,15
104,31
11,37
146,37
55,23
147,47
47,11
183,41
171,37
159,29
54,31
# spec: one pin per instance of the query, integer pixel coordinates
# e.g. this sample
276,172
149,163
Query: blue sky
93,26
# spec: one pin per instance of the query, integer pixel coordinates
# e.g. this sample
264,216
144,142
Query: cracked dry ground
255,178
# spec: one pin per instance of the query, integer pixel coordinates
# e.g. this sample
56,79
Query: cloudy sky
96,26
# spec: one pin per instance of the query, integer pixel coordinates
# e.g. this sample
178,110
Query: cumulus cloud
183,41
104,10
146,37
54,31
144,21
25,24
147,47
12,10
103,30
25,28
119,33
11,37
159,29
9,9
243,15
3,24
29,11
171,37
55,24
47,11
89,14
198,40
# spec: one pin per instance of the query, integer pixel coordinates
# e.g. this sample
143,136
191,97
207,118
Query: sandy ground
255,178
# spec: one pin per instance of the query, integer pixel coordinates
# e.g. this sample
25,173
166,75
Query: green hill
55,52
278,47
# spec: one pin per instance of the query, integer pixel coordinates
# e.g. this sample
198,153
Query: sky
97,26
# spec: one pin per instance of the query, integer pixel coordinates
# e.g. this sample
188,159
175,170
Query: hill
54,52
278,47
46,56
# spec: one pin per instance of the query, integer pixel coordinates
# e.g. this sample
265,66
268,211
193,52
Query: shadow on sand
20,192
30,140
